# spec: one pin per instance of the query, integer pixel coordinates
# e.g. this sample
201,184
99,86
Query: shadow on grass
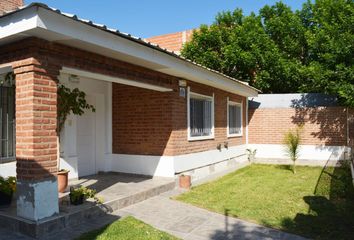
244,230
330,214
284,167
331,209
94,234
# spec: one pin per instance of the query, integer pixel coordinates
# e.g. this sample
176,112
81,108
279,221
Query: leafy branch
71,101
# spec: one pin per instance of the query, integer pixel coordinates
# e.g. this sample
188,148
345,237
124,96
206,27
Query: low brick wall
321,125
327,127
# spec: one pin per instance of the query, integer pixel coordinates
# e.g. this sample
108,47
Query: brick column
36,144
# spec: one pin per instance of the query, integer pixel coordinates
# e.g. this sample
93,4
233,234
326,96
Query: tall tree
280,50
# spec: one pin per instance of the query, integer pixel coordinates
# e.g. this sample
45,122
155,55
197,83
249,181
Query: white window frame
228,124
200,96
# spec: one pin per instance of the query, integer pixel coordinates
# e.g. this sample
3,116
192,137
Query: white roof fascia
17,23
69,28
80,31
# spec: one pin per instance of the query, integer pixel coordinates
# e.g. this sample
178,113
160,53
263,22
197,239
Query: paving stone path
177,218
193,223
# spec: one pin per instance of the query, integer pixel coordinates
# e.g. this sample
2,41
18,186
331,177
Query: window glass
7,118
235,119
200,117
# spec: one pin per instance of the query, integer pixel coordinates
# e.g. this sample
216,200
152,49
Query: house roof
40,20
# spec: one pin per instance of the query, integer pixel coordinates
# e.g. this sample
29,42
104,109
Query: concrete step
74,215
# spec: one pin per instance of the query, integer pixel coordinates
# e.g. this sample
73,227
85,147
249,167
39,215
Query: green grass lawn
314,202
127,229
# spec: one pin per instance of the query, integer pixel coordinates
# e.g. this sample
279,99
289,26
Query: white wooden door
86,141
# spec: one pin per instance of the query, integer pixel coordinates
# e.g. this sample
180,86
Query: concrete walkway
177,218
193,223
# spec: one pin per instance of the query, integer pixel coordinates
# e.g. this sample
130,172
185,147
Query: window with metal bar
7,118
234,119
201,119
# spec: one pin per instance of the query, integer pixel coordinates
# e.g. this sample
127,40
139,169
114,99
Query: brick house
156,113
328,131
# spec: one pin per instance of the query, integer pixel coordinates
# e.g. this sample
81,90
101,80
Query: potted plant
7,188
69,101
79,195
185,181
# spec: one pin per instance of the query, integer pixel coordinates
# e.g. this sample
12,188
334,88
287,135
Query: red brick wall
145,121
322,125
142,120
36,64
9,5
155,123
178,140
172,41
36,112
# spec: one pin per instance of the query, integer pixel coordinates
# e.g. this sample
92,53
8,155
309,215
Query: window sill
234,135
7,160
191,139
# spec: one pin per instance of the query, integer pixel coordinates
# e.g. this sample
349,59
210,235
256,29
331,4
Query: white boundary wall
307,152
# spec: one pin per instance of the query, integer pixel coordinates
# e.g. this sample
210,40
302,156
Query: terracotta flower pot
185,181
62,180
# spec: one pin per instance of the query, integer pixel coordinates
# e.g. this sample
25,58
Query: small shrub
292,141
251,154
83,193
8,186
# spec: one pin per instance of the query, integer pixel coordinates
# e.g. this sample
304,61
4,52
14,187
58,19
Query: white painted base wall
187,162
168,166
70,163
216,170
8,169
307,152
159,166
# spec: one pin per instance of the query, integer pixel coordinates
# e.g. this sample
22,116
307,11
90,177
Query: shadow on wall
322,110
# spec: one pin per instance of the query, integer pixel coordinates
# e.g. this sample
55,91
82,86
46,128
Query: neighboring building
9,5
172,41
156,113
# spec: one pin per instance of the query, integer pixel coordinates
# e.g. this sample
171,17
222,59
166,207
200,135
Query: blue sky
144,18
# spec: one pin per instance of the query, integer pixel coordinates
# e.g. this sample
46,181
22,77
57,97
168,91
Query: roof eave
39,20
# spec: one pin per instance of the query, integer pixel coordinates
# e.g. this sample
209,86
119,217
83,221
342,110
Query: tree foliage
280,51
